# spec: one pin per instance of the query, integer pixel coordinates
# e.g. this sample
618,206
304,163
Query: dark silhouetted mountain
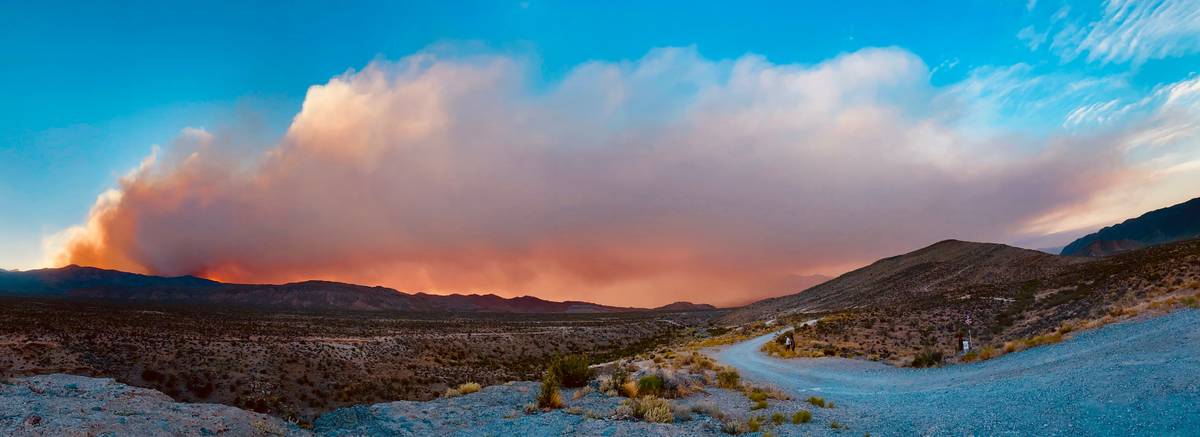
1174,223
946,265
111,285
685,306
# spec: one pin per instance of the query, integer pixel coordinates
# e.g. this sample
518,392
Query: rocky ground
1139,377
67,405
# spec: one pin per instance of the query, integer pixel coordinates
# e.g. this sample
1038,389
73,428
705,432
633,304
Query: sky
618,152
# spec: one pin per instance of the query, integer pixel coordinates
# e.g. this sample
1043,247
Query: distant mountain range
111,285
1174,223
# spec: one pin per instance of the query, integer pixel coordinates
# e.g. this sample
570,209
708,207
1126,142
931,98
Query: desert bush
802,416
734,427
619,375
450,393
549,396
652,385
817,401
1043,340
970,357
681,413
651,409
754,424
629,389
571,370
988,353
709,409
777,418
757,395
835,425
758,405
927,358
606,384
728,378
468,388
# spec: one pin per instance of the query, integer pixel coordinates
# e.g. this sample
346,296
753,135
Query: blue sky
89,88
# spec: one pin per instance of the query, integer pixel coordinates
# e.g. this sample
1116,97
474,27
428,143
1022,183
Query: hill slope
91,283
1174,223
948,264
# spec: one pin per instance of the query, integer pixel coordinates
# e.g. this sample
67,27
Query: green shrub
777,418
728,378
928,358
571,370
757,395
651,385
619,375
754,424
817,401
802,416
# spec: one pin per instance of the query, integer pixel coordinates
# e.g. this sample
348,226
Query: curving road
1132,378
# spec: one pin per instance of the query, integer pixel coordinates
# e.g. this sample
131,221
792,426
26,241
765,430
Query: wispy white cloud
1126,31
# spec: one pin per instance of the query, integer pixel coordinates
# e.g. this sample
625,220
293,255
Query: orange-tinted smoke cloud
668,178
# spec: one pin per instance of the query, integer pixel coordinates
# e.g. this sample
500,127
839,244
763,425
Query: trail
1133,378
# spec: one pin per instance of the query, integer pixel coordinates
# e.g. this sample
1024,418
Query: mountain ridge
1164,225
82,282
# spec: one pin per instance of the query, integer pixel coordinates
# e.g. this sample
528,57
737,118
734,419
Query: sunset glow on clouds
642,182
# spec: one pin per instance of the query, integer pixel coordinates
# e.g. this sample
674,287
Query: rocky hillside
76,282
949,264
1175,223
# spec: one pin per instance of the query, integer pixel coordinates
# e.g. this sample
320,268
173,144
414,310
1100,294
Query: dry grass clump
651,409
733,427
755,423
817,401
758,397
549,396
729,378
464,388
777,418
1043,340
629,389
802,416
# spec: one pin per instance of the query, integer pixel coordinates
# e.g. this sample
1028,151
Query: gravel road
1133,378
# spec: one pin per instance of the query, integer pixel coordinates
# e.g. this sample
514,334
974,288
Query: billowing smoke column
639,183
